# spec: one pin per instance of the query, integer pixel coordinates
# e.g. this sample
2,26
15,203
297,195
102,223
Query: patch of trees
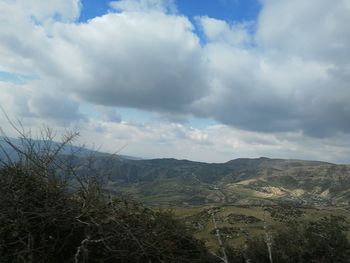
284,212
235,218
322,241
229,232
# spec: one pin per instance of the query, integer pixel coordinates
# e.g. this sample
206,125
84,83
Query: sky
209,80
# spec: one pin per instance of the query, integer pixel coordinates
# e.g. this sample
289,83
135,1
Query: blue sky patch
14,78
228,10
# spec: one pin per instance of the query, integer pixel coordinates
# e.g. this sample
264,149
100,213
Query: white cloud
288,76
315,29
143,60
64,10
216,143
33,100
216,30
149,61
292,78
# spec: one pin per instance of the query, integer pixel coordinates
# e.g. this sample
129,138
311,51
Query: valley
261,181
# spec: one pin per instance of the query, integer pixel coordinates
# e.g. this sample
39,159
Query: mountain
43,145
241,181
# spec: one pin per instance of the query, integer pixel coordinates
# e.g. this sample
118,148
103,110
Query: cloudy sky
208,80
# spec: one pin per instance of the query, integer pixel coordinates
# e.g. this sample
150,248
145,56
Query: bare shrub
53,208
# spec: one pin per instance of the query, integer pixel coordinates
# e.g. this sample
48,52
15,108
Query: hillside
243,181
239,182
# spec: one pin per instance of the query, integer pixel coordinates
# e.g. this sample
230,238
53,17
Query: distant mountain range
241,181
237,182
41,145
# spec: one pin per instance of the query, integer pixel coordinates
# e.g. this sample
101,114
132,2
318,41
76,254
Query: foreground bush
41,221
50,213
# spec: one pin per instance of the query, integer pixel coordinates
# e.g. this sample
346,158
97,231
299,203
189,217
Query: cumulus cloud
315,29
143,60
294,75
148,61
63,10
54,106
255,92
215,143
33,100
285,73
216,30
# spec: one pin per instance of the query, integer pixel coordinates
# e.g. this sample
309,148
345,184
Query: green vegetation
284,213
234,218
262,181
296,234
62,208
251,219
320,241
49,213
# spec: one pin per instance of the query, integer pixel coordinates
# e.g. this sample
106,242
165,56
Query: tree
318,241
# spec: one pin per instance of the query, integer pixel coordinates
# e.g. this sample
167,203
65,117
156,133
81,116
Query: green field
239,223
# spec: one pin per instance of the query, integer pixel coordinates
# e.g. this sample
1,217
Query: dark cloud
49,106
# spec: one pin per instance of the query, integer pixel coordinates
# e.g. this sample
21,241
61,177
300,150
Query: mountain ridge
241,181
